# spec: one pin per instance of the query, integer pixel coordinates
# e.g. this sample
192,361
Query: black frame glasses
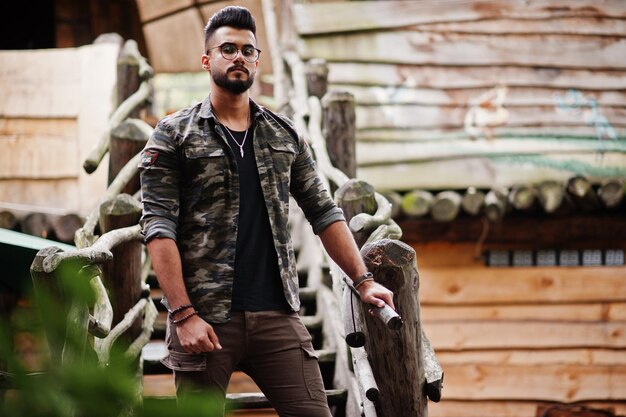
229,51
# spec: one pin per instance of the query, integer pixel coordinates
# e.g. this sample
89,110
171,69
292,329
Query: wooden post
127,139
339,129
396,357
123,274
316,71
582,194
36,224
355,197
496,204
551,195
611,192
522,197
64,227
61,315
446,206
128,79
417,203
473,201
8,220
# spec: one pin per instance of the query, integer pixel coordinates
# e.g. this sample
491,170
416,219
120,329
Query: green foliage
80,388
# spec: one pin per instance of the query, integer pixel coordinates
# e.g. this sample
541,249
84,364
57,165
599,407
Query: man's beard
237,86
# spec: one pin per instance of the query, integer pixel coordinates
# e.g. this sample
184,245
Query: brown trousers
272,347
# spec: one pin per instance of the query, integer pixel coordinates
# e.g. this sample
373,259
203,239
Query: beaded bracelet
183,318
179,308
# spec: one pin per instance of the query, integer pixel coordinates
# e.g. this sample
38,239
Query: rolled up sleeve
160,177
309,192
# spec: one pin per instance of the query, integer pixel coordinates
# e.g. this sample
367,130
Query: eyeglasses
229,51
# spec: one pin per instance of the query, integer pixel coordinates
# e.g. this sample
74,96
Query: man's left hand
372,292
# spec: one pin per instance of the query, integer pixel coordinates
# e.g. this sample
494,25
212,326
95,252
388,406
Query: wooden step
257,400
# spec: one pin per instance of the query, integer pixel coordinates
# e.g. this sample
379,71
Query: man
216,179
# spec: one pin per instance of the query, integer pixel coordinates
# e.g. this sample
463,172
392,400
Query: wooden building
526,308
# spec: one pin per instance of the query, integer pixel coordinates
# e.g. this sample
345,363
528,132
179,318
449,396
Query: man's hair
233,16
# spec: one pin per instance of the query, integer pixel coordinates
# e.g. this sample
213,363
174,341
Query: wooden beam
525,232
483,172
523,285
433,76
417,48
488,334
151,9
317,18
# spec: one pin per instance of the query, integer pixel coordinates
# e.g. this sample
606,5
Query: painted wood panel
419,48
431,76
320,18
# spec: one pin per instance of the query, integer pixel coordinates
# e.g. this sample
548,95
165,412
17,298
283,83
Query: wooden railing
384,347
121,311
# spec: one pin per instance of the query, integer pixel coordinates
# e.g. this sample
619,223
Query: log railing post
127,140
316,72
396,357
355,197
339,129
123,273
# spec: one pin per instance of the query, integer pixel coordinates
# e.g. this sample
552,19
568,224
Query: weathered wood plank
555,25
417,116
187,25
420,48
486,171
371,153
610,312
600,357
38,148
58,196
523,285
516,96
27,90
153,9
504,408
421,135
564,383
315,18
431,76
463,335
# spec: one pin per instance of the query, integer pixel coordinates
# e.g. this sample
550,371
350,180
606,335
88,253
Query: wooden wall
54,106
416,68
512,339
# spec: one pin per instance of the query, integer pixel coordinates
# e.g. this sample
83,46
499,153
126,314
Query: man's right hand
197,336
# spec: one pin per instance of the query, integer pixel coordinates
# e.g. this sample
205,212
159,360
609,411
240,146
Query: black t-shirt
257,285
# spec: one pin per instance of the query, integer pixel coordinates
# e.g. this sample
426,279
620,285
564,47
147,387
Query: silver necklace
243,142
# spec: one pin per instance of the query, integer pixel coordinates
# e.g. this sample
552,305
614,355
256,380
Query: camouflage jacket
190,192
